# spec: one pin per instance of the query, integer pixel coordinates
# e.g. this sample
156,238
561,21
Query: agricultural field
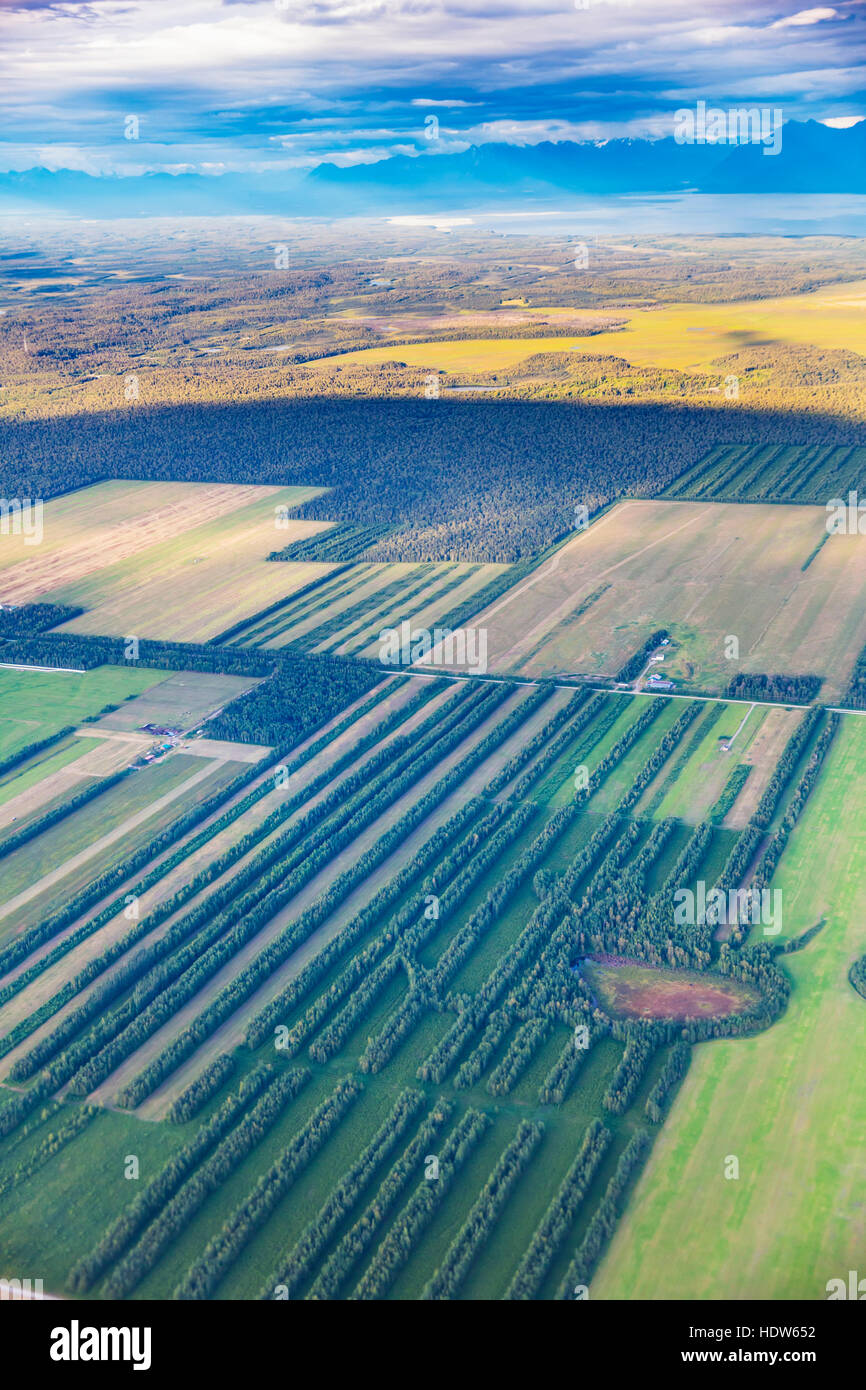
330,1004
703,571
38,704
786,1102
97,527
346,614
175,561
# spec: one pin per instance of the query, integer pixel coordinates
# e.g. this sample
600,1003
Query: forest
466,479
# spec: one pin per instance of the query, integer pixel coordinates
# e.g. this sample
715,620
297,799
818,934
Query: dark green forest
457,480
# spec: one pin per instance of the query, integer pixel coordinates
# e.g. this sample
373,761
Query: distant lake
706,214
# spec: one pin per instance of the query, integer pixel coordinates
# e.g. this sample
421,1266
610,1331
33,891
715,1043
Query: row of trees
731,791
784,769
470,1072
253,1211
383,608
675,1067
520,1052
343,543
565,1070
587,713
99,888
660,755
799,472
96,787
797,800
173,1218
456,872
32,750
200,1091
796,689
629,1074
286,1281
364,1233
34,617
484,1213
76,1120
419,998
301,601
559,1216
405,1232
855,694
150,1201
538,931
604,1218
446,865
567,714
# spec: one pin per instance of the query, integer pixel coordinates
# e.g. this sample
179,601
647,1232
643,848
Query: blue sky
220,85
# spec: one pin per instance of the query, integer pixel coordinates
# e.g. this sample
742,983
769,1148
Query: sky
127,86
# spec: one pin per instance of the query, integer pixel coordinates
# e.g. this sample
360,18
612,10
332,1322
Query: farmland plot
705,572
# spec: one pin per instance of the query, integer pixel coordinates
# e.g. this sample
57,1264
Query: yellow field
706,571
686,336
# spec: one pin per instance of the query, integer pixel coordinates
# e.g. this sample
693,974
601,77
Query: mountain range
812,159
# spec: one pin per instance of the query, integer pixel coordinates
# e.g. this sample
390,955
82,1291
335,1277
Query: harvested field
181,700
100,526
187,572
706,572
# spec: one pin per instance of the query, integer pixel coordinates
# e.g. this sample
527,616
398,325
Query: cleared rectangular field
35,704
707,572
790,1103
750,735
188,584
96,527
180,700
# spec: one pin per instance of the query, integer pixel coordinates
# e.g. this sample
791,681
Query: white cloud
805,17
562,72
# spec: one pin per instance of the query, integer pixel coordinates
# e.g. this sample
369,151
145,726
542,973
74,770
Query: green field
787,1103
35,704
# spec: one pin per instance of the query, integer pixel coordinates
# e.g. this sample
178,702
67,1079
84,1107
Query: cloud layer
255,84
